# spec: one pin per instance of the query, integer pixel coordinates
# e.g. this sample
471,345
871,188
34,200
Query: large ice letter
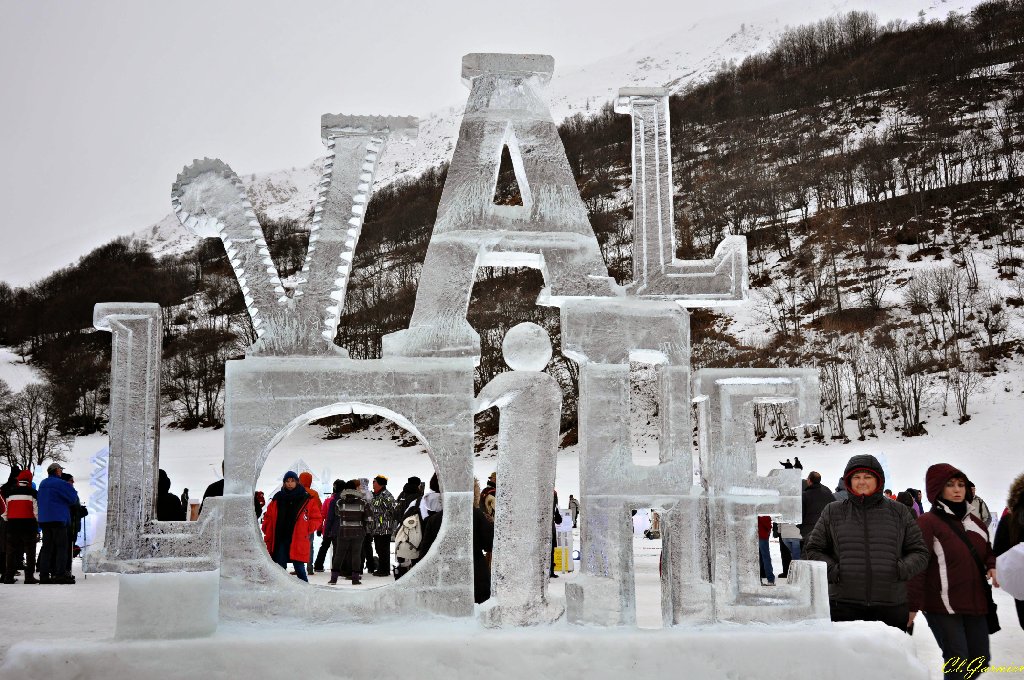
602,335
134,539
530,402
209,199
656,270
737,495
549,231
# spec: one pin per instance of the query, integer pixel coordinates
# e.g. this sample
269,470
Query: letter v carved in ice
208,198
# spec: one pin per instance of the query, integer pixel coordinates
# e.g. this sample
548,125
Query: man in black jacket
815,498
872,547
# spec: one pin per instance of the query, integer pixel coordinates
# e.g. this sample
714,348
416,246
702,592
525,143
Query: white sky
105,102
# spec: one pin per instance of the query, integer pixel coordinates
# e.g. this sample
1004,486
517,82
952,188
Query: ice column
737,494
656,270
134,422
530,403
550,231
209,198
602,335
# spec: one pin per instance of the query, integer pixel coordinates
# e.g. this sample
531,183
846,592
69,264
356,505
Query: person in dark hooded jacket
952,592
168,506
1010,531
872,547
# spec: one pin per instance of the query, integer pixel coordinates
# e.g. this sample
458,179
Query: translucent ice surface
209,199
550,231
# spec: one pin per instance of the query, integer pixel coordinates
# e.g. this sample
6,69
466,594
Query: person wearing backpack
408,538
353,518
953,592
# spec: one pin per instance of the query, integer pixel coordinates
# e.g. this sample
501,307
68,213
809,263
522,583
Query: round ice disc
526,347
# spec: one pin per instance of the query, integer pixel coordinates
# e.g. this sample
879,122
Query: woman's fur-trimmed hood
1016,497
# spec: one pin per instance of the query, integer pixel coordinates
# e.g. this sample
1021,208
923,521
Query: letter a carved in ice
550,231
209,198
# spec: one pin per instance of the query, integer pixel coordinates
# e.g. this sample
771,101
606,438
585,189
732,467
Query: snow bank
171,605
465,649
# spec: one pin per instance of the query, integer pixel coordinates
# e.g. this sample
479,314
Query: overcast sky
105,102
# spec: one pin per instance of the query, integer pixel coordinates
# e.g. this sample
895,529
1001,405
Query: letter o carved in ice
526,347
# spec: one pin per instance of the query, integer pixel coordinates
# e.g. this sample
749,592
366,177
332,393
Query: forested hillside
875,170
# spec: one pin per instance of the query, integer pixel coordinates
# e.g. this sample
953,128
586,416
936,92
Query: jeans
310,551
281,557
794,547
766,559
895,615
963,640
53,559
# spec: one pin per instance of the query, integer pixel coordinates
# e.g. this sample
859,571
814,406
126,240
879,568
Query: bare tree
964,380
29,431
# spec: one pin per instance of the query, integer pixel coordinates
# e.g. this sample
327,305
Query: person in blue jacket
55,498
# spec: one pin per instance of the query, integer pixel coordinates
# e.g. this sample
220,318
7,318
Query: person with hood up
1010,531
168,506
306,480
871,546
841,494
21,513
953,592
352,519
409,495
291,518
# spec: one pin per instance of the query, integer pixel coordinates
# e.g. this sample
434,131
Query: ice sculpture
550,231
530,403
601,335
294,374
656,270
135,541
209,199
737,495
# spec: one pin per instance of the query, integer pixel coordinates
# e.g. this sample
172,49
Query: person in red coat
291,518
952,592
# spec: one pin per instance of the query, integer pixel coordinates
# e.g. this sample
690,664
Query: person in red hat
953,592
872,547
21,515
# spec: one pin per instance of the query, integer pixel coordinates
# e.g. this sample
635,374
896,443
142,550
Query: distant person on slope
291,517
1011,529
871,547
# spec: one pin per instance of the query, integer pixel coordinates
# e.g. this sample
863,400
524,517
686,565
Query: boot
334,578
356,579
30,579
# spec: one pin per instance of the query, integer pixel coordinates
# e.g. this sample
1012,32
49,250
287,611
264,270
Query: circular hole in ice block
336,448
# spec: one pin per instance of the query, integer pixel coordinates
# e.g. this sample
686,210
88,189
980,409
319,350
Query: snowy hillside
674,59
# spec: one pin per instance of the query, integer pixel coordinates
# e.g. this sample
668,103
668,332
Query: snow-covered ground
16,373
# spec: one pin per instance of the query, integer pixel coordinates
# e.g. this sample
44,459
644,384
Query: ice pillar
656,270
737,494
134,422
530,403
601,335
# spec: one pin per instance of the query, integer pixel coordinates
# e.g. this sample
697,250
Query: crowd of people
51,515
